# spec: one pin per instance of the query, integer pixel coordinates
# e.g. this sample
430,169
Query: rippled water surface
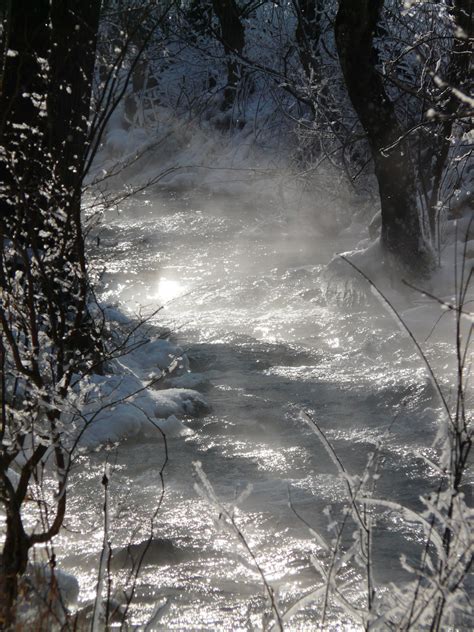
247,295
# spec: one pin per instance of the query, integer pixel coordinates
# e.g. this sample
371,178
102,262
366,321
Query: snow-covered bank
135,393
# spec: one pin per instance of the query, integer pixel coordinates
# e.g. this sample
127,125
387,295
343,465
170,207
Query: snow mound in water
159,354
344,283
188,380
178,401
44,602
173,427
124,408
127,400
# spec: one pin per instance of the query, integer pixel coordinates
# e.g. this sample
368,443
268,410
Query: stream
246,294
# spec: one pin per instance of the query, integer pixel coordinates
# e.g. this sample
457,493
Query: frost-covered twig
205,489
98,611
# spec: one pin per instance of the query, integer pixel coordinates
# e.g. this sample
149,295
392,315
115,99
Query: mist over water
246,291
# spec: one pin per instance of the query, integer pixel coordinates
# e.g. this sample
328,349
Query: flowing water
247,295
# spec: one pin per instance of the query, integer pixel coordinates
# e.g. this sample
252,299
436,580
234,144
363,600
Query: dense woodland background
90,89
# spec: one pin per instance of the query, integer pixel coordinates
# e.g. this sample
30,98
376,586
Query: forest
236,315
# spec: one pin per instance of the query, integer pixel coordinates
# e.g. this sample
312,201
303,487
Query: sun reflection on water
169,289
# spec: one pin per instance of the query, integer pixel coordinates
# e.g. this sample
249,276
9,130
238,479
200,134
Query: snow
156,353
121,411
130,399
36,584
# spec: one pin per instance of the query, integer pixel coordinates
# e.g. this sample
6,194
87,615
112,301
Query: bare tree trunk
402,234
308,34
199,14
23,131
13,564
44,113
233,39
74,34
74,37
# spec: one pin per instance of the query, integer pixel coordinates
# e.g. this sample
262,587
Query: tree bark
308,34
74,38
23,128
49,53
233,39
13,564
402,233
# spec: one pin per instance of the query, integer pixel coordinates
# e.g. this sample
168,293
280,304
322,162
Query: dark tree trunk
199,14
13,564
402,234
23,128
233,39
49,55
74,38
308,34
44,113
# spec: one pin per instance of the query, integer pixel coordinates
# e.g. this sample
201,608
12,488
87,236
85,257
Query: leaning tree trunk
13,565
308,34
44,113
23,190
233,39
402,233
74,36
23,126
